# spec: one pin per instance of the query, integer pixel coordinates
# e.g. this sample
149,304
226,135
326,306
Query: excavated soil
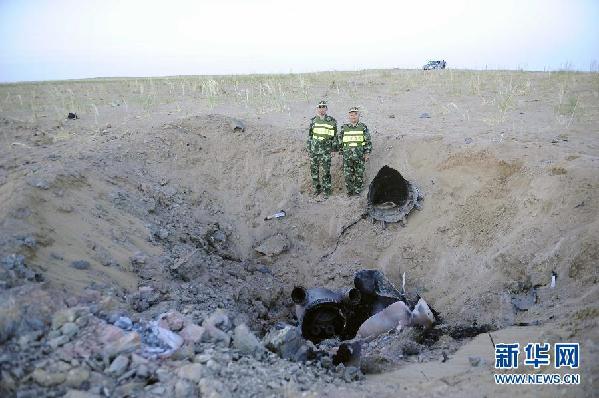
152,201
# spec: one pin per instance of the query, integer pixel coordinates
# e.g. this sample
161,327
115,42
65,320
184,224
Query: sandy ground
508,163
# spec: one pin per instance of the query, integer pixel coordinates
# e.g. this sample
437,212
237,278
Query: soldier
322,141
354,140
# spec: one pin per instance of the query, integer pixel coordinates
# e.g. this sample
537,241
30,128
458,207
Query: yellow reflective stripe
353,138
329,126
322,131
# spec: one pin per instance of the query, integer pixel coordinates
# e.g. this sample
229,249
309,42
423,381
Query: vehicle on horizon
435,65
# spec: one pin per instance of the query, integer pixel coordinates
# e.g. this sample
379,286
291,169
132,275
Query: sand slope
508,163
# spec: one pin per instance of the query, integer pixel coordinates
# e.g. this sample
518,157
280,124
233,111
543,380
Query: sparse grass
565,111
492,97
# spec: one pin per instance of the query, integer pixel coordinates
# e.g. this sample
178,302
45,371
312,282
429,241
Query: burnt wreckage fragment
391,197
324,313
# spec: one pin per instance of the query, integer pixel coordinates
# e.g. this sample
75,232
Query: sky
65,39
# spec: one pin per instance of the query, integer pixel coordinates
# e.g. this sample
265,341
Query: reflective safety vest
353,138
322,131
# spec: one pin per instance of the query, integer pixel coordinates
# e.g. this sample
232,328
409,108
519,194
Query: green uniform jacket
363,142
322,135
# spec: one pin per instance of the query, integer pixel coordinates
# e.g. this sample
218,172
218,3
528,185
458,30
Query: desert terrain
153,202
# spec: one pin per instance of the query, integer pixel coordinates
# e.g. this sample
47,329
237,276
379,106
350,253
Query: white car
435,65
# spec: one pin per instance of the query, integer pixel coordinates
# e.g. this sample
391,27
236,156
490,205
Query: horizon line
519,69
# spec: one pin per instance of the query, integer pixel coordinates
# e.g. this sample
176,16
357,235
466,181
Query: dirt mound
134,211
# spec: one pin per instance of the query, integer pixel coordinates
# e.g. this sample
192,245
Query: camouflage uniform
355,142
322,140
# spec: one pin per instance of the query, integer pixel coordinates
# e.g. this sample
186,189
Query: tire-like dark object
391,197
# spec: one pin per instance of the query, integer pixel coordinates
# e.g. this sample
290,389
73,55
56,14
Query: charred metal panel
391,197
324,313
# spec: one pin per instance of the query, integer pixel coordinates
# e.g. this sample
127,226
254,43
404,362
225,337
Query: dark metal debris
391,197
324,313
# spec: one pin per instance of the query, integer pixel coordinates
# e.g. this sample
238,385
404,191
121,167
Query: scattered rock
213,366
58,341
103,256
67,315
219,319
159,390
142,372
24,309
193,372
138,258
138,360
130,389
475,361
119,365
445,341
38,182
72,116
163,233
126,344
124,323
468,140
558,171
237,126
29,338
63,316
163,375
184,389
46,378
7,383
76,377
351,373
192,333
273,245
144,298
52,334
287,342
172,320
80,394
212,388
202,358
28,241
14,271
410,347
69,329
424,115
65,208
170,339
80,264
245,341
215,335
524,300
13,261
110,333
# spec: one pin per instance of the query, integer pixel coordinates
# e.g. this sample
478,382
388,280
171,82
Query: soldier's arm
367,141
309,135
340,139
335,138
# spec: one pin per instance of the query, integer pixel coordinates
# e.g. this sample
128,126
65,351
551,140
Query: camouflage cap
354,109
322,103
